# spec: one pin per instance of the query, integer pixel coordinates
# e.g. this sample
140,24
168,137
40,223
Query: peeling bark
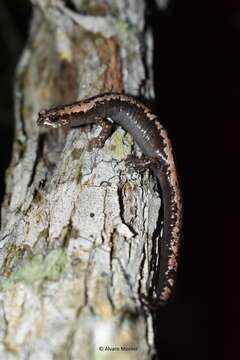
77,238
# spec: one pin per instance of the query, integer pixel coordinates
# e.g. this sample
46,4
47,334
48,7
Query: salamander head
51,118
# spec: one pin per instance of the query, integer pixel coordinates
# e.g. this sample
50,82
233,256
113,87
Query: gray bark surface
76,247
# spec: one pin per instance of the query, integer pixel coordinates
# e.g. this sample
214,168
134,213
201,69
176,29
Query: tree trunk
77,240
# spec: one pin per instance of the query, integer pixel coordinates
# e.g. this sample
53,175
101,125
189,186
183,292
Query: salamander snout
45,118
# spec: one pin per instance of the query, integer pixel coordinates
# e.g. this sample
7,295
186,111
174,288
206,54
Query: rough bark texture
76,246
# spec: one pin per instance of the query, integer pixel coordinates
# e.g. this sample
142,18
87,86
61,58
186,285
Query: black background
230,143
179,64
14,20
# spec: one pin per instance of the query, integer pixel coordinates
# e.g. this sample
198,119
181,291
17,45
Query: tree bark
77,239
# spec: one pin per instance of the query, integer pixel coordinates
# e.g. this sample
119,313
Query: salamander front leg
99,141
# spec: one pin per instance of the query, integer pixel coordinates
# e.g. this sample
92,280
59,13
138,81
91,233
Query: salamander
153,140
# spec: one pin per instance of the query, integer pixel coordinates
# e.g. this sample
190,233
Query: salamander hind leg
143,163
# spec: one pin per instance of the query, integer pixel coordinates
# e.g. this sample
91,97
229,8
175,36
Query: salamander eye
53,118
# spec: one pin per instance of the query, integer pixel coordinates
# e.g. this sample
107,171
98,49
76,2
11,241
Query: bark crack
39,152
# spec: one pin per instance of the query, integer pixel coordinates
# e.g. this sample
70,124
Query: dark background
232,177
14,20
179,62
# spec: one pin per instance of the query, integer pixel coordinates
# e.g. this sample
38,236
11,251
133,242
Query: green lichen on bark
39,268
